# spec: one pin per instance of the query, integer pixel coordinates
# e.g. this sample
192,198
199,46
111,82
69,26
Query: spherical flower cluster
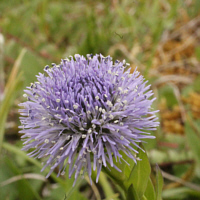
84,111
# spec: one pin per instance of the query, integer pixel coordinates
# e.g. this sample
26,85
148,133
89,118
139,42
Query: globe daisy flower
83,112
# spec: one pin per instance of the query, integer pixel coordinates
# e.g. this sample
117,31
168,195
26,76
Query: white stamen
81,129
111,116
25,95
109,71
94,151
120,89
75,106
125,101
46,141
68,137
62,173
96,107
53,142
83,136
99,161
70,119
90,131
116,121
77,56
121,137
101,120
109,103
61,148
57,100
97,97
125,91
93,126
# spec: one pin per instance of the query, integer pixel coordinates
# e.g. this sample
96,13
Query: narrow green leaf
159,183
140,173
24,187
108,190
132,194
150,191
17,151
9,94
193,140
180,193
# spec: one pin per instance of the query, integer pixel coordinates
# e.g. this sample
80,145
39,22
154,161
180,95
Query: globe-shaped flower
86,110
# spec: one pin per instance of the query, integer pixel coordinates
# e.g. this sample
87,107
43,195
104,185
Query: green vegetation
160,37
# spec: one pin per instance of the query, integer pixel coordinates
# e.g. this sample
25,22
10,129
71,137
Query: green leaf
21,153
105,184
150,191
132,194
180,193
166,92
119,177
24,187
197,52
140,173
9,92
193,140
159,183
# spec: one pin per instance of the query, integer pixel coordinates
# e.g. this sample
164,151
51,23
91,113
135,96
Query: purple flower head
86,110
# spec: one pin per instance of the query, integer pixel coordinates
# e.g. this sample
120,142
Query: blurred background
160,37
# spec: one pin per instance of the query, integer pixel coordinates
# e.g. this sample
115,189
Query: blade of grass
106,186
8,96
17,151
1,66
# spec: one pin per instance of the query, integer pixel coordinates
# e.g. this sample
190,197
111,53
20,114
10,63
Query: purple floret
86,110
